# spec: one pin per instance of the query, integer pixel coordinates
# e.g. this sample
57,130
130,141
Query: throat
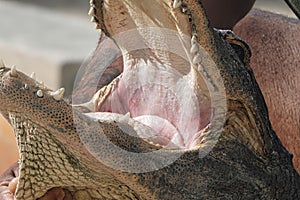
172,104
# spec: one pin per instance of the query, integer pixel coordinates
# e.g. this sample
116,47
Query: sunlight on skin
223,14
220,18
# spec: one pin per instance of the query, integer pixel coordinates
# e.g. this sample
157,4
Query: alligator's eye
40,93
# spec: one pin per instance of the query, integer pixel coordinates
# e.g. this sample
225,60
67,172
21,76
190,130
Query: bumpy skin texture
275,43
247,162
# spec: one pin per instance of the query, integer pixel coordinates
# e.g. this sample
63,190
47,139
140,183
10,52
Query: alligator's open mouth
163,85
173,105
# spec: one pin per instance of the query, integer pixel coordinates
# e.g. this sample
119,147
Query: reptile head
209,145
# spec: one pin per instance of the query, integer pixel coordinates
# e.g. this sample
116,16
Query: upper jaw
184,16
157,26
117,16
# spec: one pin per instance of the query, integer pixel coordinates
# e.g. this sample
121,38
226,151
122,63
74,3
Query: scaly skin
247,160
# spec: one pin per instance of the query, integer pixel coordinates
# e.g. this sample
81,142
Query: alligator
208,135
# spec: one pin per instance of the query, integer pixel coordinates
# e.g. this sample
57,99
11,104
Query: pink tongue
162,127
170,116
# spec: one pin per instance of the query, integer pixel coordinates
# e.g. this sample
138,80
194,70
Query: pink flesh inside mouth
162,99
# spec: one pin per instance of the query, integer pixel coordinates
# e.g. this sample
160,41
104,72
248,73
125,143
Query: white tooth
184,10
13,71
58,95
92,11
40,93
196,59
93,19
177,3
125,118
2,65
43,84
194,39
92,2
200,67
128,115
33,76
194,48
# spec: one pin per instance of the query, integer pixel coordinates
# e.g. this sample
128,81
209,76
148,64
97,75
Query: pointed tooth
125,118
92,2
43,84
33,76
92,11
40,93
200,68
177,3
94,19
127,114
58,94
194,39
197,59
2,65
13,71
194,48
184,9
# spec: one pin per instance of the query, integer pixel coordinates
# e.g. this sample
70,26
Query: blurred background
53,38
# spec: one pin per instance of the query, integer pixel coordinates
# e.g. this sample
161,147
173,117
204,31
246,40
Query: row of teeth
195,47
57,95
176,4
92,12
